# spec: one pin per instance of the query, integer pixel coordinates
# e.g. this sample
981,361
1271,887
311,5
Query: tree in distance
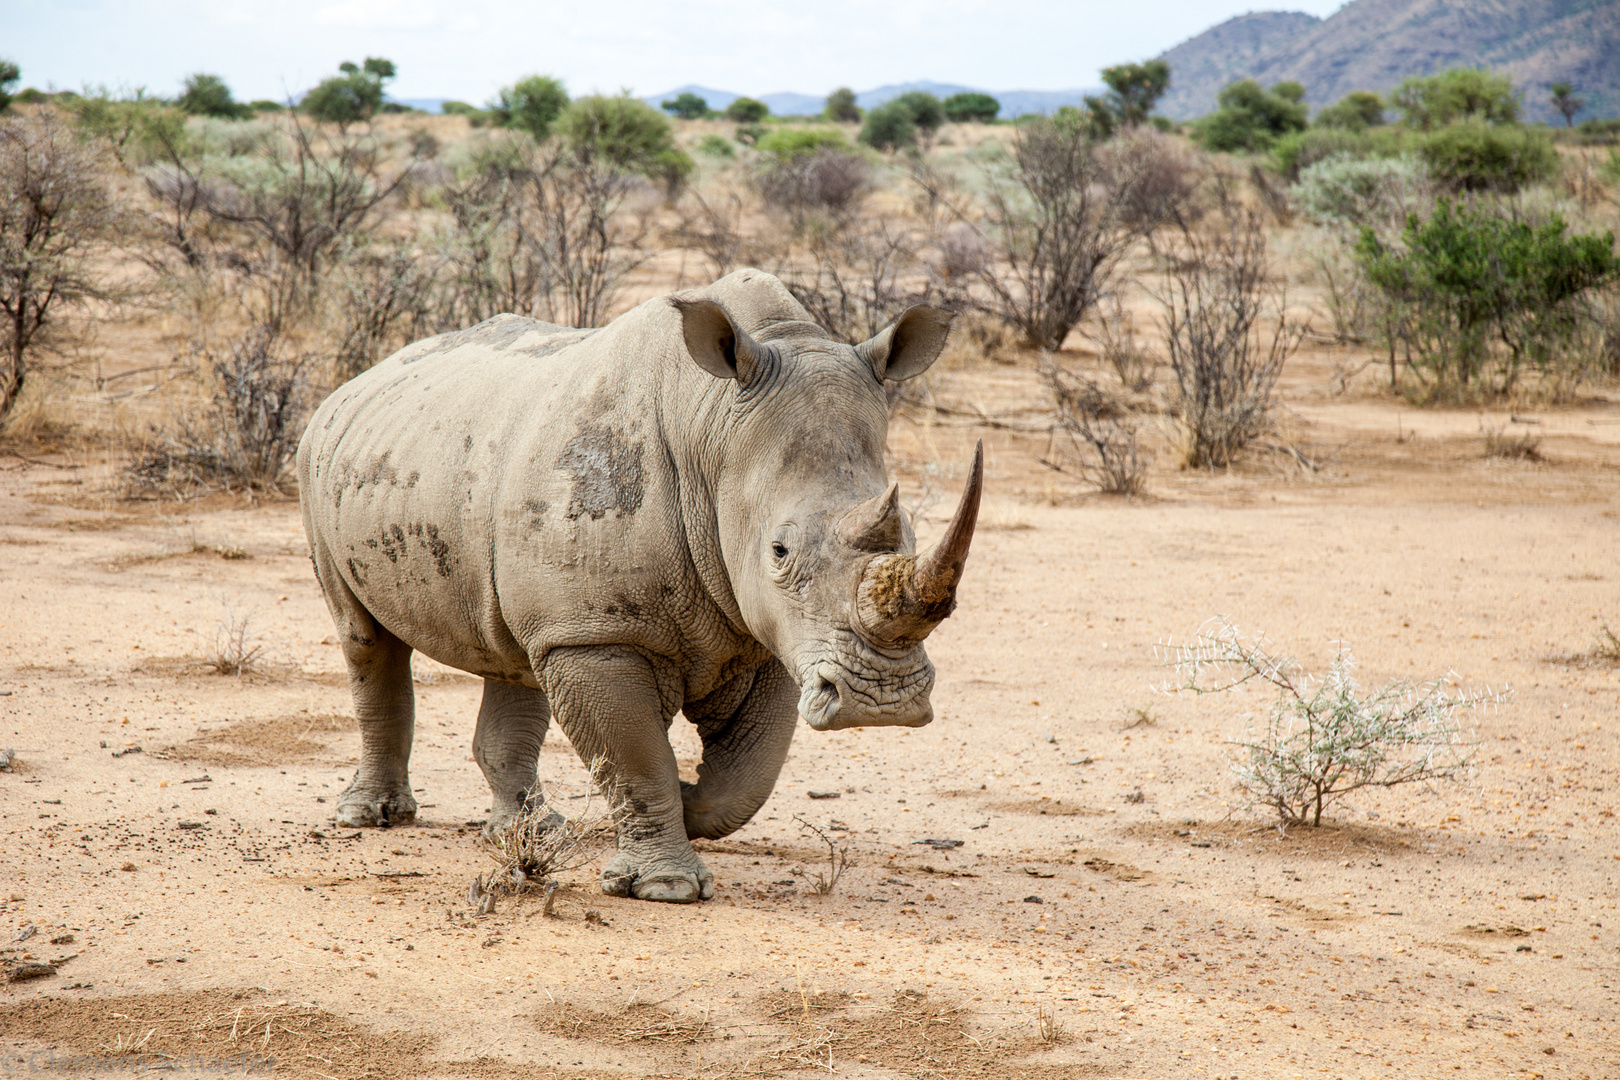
889,127
207,95
260,105
747,110
626,134
1565,101
1250,117
1133,90
1356,111
927,112
352,96
971,108
9,74
687,106
531,104
841,107
1458,94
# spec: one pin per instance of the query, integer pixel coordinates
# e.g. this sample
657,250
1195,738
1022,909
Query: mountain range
1374,44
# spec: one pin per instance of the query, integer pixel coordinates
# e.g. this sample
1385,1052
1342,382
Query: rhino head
820,556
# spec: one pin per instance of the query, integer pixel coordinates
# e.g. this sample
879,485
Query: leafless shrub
539,232
234,649
1048,1025
247,437
1502,446
711,222
1121,349
1216,290
1099,437
838,860
57,218
385,297
963,252
540,843
825,182
1062,222
855,278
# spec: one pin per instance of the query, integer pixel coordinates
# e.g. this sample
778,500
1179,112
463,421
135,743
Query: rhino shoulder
504,333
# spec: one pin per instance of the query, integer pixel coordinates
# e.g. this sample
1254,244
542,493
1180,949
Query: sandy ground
171,844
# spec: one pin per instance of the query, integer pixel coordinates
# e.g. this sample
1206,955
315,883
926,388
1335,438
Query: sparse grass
1501,446
1605,652
1048,1025
838,861
234,650
1323,738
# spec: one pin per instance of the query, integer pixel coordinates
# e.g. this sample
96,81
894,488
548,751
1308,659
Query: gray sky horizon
470,48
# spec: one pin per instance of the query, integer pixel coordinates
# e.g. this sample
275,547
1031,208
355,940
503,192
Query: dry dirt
173,853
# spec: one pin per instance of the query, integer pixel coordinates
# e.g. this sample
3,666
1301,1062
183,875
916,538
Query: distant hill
1013,102
1374,44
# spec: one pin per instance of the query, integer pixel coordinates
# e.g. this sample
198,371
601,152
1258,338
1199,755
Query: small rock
29,971
8,758
825,794
1033,900
594,917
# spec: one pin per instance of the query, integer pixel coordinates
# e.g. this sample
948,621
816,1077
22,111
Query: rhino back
495,493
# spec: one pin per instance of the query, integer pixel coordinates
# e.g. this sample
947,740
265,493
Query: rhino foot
359,807
501,820
662,879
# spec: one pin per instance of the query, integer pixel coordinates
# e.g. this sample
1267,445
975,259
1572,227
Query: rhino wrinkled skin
684,511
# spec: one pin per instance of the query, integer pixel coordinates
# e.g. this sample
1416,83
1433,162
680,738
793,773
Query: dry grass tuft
541,844
838,860
1605,652
1500,446
235,650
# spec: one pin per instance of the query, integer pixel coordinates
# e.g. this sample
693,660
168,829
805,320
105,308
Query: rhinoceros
684,511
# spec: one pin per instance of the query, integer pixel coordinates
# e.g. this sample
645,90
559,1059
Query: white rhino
684,511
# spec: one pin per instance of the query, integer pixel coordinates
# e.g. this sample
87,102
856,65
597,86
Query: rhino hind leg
743,754
608,702
385,705
512,725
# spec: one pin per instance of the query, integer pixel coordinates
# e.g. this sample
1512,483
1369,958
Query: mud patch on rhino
218,1031
606,474
275,740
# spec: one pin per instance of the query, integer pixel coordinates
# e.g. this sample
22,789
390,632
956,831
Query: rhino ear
717,344
906,347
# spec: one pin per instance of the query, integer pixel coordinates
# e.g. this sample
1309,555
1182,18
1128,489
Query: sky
467,49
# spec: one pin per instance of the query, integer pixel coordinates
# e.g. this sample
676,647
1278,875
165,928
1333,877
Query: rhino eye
779,550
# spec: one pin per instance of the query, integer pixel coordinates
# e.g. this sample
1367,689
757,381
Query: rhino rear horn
715,341
876,524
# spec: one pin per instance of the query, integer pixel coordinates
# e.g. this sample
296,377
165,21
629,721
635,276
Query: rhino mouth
867,691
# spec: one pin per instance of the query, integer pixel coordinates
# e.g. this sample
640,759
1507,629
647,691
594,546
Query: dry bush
58,221
386,296
539,232
1096,432
540,843
1066,217
838,860
1117,343
827,182
234,649
246,438
1216,289
711,223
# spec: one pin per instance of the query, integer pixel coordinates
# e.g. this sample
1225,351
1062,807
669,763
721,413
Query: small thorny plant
234,649
838,861
1325,737
541,844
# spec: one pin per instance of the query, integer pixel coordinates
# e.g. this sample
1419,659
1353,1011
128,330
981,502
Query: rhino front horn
900,598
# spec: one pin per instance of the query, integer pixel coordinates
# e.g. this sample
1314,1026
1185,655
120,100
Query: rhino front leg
385,704
742,754
512,725
608,703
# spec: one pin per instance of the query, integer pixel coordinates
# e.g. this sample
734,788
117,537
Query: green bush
1251,117
531,104
1477,156
787,143
718,146
627,134
1361,192
889,127
9,74
1299,150
263,105
971,108
1133,90
1459,94
927,111
139,130
746,110
1356,111
687,106
841,107
1478,297
352,96
207,95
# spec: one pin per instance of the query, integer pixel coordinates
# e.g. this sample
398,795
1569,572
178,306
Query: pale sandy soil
205,905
